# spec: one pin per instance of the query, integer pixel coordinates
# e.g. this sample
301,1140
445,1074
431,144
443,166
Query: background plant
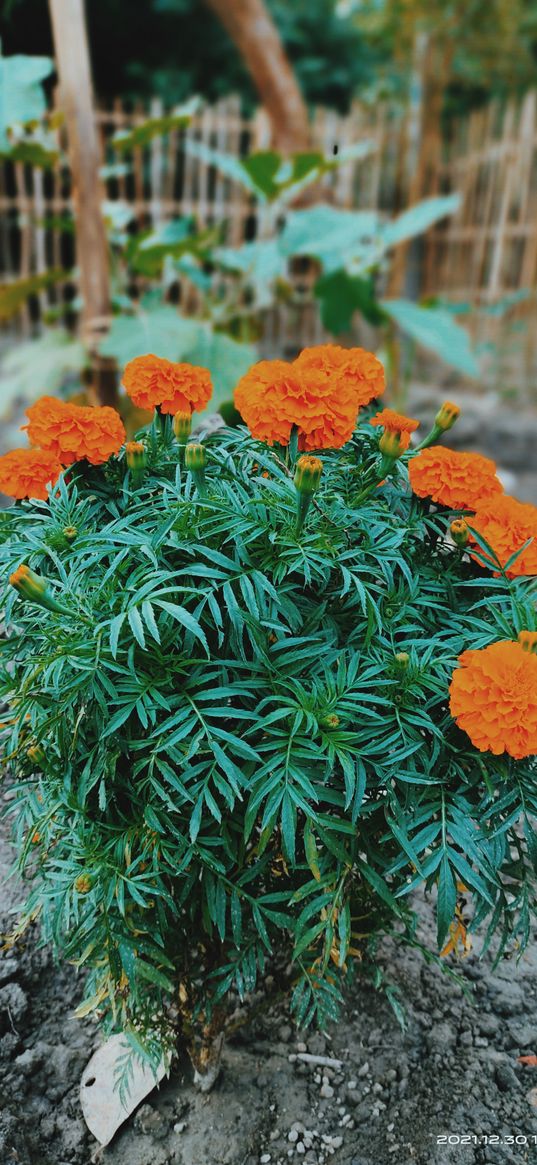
225,293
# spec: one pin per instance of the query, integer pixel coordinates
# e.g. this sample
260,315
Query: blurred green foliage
473,51
339,50
187,51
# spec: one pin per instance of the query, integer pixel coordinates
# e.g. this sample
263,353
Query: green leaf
119,718
260,265
240,746
436,330
341,295
419,218
470,876
156,329
14,295
35,149
236,918
288,826
262,168
22,98
195,820
446,900
169,235
310,849
115,628
329,234
154,975
177,241
186,619
137,626
227,164
226,359
344,932
149,618
356,152
41,366
126,140
379,885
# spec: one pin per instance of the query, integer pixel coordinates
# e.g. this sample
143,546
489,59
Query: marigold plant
258,697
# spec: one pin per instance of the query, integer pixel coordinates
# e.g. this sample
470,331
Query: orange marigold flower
25,473
75,432
457,480
321,399
393,422
506,524
175,388
357,368
493,698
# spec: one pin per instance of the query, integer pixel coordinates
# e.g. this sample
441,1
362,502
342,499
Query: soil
453,1072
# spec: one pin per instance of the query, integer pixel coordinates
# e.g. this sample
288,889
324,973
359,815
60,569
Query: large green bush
231,734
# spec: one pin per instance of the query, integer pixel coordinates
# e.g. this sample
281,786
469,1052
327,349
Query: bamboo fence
485,256
481,257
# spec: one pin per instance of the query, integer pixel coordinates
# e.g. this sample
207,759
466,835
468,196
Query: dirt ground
453,1073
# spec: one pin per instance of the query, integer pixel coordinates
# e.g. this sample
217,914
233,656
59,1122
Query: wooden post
73,64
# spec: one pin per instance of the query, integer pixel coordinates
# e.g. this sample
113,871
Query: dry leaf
102,1108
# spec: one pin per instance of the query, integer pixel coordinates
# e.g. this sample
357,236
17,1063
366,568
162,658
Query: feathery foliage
232,740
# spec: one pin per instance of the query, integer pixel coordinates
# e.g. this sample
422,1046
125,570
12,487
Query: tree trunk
255,35
73,63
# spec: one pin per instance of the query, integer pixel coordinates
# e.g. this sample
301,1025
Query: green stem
430,439
303,505
200,482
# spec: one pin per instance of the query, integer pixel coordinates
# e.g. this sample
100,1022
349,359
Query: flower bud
195,456
195,461
308,472
308,475
83,884
182,425
459,532
34,588
70,533
135,456
446,416
35,754
391,445
402,658
528,641
444,420
330,721
29,584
